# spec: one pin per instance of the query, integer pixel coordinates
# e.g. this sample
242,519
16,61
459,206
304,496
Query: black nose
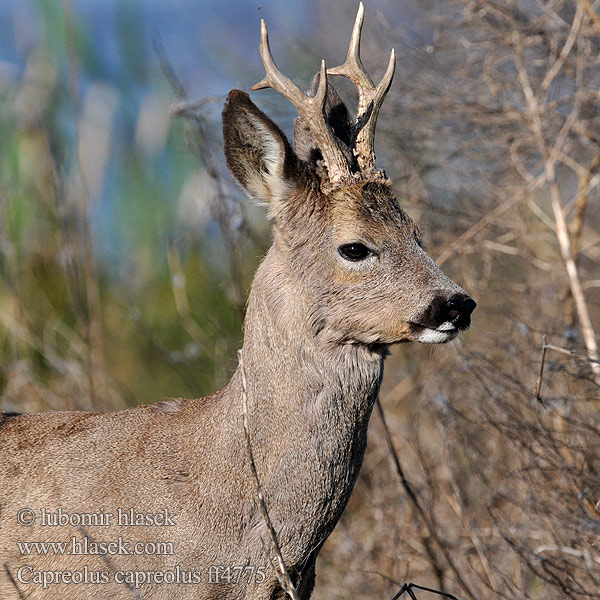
458,310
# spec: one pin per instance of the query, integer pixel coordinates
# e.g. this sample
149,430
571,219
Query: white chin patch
438,336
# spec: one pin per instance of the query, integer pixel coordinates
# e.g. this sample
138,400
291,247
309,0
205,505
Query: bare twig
420,510
568,45
561,228
12,580
475,229
183,108
538,386
407,588
284,577
572,354
585,554
166,67
581,204
592,14
545,347
562,232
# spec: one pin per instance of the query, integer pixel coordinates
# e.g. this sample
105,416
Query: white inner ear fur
269,185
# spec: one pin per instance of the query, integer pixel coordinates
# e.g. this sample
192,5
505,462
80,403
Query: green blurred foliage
90,211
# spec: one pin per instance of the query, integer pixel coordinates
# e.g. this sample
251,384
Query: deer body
183,456
346,277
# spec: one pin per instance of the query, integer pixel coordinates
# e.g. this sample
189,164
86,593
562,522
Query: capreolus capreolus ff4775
159,501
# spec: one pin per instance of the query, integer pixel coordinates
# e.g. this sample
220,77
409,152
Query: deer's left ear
258,153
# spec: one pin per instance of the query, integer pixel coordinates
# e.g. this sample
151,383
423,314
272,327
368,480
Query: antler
370,98
310,108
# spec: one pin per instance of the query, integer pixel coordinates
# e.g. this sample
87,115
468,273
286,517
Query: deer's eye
354,252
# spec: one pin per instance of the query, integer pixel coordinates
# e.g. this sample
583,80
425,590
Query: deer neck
309,403
301,384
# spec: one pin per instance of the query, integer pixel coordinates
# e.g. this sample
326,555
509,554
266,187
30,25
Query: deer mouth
442,334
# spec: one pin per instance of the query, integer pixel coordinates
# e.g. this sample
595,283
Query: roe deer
159,501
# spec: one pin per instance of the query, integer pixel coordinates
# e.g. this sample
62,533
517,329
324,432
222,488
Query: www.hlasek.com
215,574
85,546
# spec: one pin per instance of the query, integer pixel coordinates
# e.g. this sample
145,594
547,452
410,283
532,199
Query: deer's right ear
258,153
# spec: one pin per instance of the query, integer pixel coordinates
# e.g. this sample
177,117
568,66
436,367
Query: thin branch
12,580
562,232
592,14
167,69
284,578
585,554
580,206
561,228
421,511
183,108
476,228
182,304
571,354
566,49
545,347
408,587
538,386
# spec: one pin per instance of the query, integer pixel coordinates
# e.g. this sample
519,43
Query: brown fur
316,333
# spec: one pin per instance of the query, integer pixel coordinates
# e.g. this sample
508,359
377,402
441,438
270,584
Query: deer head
355,257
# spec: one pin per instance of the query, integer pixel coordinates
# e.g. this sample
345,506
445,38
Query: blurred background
126,255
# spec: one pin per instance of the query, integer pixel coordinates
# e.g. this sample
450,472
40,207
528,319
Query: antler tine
353,68
274,78
311,108
369,97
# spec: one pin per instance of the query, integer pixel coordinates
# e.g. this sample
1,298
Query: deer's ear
258,153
